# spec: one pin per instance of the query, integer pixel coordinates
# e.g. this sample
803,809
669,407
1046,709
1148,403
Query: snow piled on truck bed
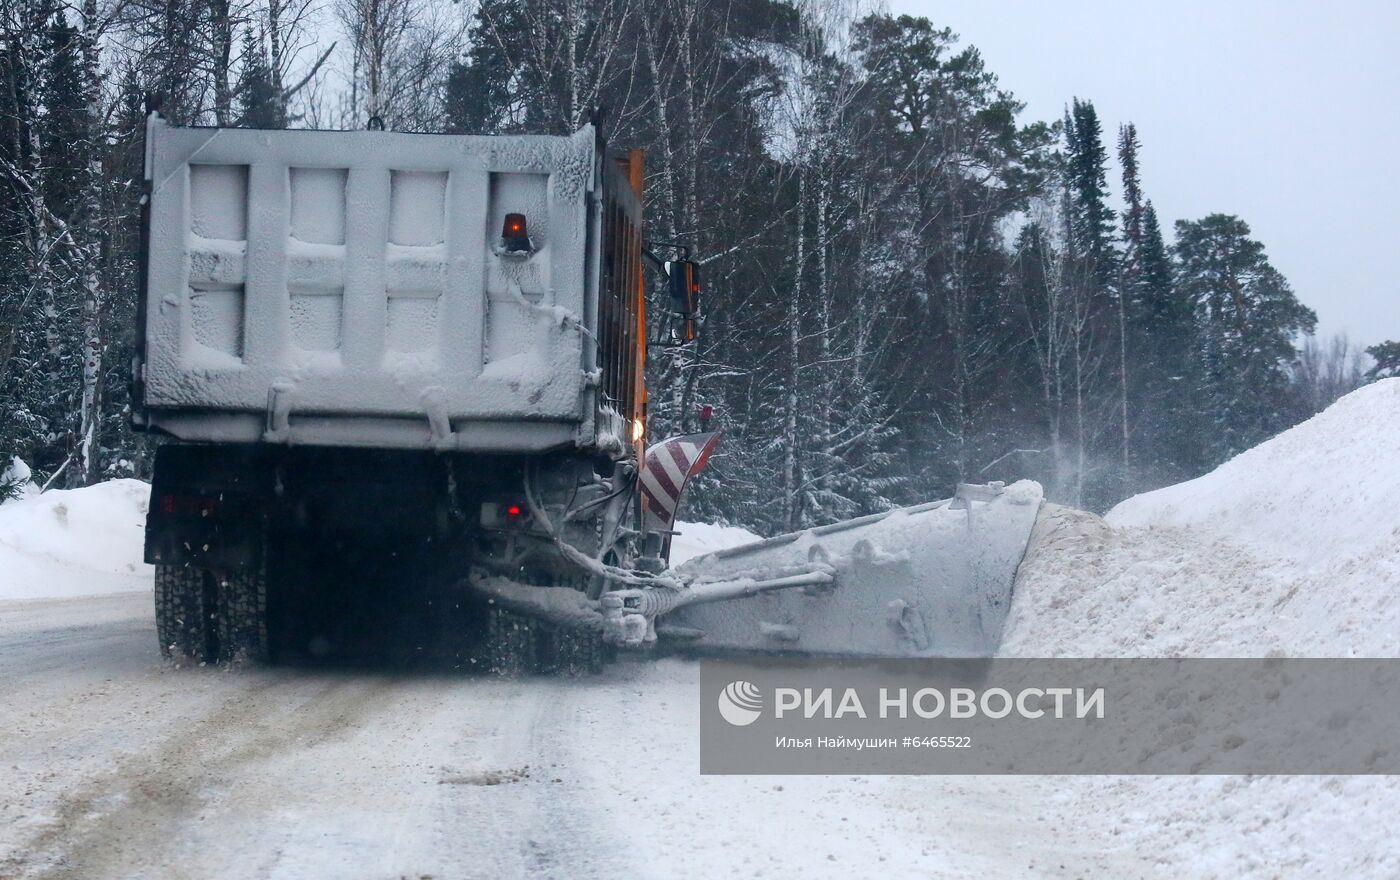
78,542
1289,549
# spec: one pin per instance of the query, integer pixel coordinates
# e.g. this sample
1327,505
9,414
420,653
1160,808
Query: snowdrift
1291,549
1326,489
697,539
78,542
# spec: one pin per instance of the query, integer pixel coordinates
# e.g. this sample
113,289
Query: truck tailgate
351,287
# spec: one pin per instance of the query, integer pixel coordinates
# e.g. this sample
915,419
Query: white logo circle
740,703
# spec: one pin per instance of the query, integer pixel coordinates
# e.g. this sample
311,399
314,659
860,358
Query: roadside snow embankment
1324,490
697,539
78,542
1291,548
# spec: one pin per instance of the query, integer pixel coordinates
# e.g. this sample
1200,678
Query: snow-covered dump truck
430,349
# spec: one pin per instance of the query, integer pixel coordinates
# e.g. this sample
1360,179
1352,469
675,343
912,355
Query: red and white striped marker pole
667,468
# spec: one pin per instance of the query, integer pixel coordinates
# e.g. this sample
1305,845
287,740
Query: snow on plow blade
933,580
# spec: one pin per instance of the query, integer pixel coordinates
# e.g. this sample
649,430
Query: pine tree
43,347
1162,373
18,424
1248,317
964,165
1095,352
1131,331
64,119
540,66
1088,181
1170,426
259,103
125,452
1387,360
1133,210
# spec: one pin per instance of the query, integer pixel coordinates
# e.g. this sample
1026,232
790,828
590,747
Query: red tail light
498,515
515,235
190,505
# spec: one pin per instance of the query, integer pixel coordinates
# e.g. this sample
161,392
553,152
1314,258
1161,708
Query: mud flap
927,581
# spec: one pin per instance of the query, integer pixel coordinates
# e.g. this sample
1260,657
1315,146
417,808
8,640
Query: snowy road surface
113,765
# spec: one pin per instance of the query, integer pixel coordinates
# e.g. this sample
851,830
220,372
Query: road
114,764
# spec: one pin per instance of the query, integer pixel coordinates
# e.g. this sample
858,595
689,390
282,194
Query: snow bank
1325,489
697,539
78,542
1291,548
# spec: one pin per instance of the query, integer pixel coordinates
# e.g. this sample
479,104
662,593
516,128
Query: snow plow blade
933,580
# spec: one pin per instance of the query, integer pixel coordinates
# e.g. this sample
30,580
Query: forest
907,283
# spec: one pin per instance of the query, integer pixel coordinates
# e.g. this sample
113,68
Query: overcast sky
1286,113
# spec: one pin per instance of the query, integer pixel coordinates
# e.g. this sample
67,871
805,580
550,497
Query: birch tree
398,51
88,244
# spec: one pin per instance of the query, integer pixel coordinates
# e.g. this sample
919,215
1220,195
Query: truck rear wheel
519,645
212,617
242,615
512,644
181,615
572,651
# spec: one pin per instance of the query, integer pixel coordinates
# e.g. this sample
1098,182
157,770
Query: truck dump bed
353,288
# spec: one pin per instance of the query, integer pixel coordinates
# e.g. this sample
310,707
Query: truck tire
571,651
211,617
241,615
181,615
512,645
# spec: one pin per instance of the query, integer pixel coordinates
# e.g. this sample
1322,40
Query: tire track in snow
124,823
203,773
